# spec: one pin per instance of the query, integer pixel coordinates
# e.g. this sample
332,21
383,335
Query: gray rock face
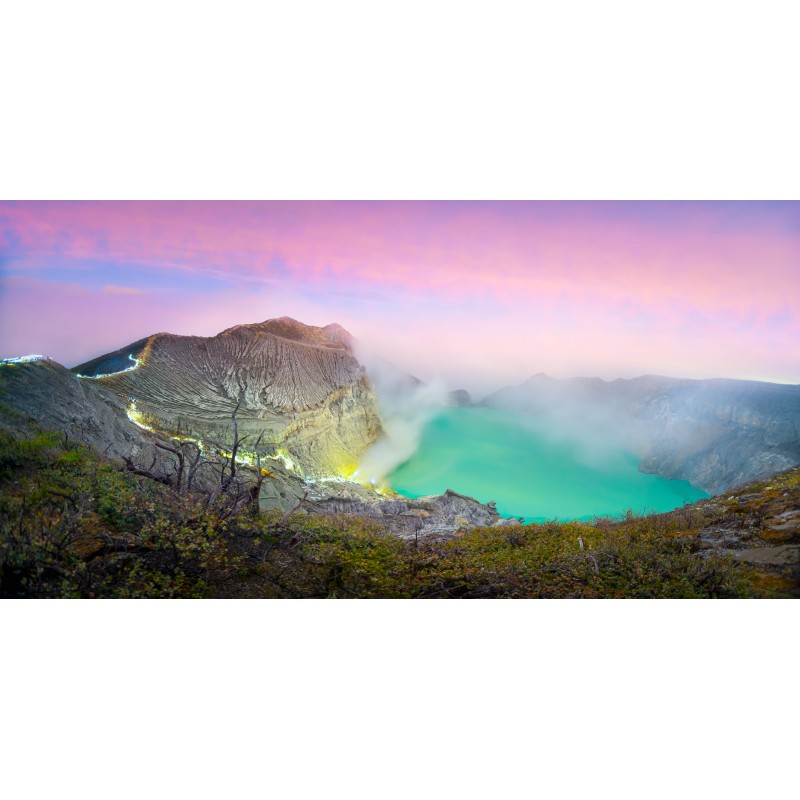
437,515
713,433
54,398
759,525
299,385
719,434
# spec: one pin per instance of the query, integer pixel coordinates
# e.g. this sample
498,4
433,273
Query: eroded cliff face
719,434
297,386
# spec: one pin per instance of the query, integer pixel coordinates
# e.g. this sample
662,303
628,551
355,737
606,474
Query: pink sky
481,294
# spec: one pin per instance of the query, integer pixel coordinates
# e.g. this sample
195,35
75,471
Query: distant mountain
713,433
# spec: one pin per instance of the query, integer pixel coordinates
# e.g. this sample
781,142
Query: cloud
110,288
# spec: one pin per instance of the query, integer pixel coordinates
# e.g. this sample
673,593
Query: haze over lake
493,455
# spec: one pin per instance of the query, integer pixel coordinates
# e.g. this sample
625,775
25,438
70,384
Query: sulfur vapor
406,406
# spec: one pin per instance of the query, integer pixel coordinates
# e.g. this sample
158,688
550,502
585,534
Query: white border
615,100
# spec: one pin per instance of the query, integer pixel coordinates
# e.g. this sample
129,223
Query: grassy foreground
72,524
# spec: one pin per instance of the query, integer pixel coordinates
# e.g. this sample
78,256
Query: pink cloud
504,288
110,288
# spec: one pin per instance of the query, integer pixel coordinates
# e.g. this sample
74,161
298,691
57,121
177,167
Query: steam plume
406,405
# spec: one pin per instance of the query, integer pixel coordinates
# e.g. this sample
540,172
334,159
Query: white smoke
572,413
406,406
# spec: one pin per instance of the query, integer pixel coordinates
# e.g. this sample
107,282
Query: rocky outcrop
713,433
436,515
759,526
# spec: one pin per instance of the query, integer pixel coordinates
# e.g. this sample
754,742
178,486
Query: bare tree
235,447
147,472
232,490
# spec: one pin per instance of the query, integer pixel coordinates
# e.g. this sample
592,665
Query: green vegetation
72,524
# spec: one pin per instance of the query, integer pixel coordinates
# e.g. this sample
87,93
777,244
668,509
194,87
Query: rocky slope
298,386
46,393
713,433
758,525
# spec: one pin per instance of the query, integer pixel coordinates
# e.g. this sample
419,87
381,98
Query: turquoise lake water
489,455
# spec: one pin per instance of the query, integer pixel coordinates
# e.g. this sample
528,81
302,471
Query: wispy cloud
110,288
504,287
